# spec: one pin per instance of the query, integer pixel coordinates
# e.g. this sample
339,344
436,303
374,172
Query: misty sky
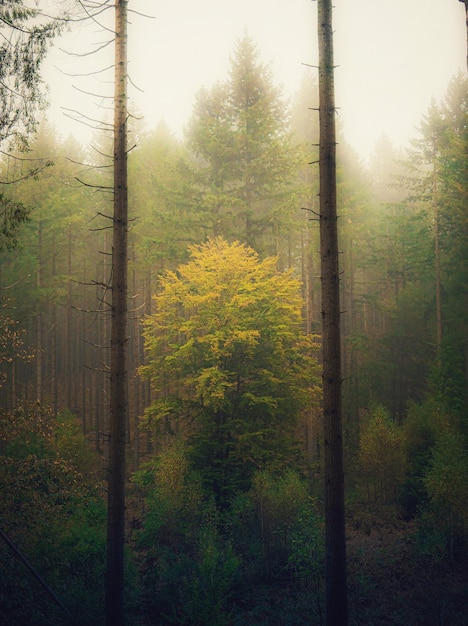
393,58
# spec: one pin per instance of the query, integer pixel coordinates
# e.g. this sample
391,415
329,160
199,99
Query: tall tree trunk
39,319
68,354
465,2
335,546
435,204
118,368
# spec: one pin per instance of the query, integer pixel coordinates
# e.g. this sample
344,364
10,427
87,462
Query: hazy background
393,58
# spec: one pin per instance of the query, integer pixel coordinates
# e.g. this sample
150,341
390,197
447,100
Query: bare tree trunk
465,2
435,204
39,319
118,368
68,353
466,12
335,546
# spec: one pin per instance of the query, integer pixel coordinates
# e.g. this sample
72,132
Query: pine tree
244,153
26,37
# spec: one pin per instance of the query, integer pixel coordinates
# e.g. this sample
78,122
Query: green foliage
447,382
445,481
200,565
271,524
70,443
53,513
225,350
189,568
12,346
210,587
420,433
174,497
307,556
168,213
425,424
12,215
245,157
381,456
279,502
26,36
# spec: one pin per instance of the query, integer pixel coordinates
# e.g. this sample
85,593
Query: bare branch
134,85
93,126
90,93
107,156
150,17
17,158
102,187
99,214
87,54
92,17
86,117
30,174
16,283
101,71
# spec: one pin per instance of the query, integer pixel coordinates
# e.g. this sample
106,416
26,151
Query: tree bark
438,287
39,316
335,546
118,368
466,12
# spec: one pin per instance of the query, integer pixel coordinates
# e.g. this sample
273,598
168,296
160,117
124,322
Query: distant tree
43,276
434,216
245,157
52,513
25,39
381,456
227,359
12,345
445,482
168,214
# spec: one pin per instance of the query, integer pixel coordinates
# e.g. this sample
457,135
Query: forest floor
394,580
390,582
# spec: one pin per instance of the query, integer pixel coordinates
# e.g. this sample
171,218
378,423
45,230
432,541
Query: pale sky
393,57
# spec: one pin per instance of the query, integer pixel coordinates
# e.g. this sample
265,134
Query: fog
392,59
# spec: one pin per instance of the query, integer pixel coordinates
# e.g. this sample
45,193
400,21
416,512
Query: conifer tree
239,134
25,39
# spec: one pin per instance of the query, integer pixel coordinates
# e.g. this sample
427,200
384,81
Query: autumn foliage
228,362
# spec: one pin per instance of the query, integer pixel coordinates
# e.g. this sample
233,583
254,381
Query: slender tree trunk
118,369
39,319
53,339
466,12
335,546
68,375
435,204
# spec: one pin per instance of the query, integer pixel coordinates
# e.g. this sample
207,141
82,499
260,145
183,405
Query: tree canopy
226,355
26,35
245,157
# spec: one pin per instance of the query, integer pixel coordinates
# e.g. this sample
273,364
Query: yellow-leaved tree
229,363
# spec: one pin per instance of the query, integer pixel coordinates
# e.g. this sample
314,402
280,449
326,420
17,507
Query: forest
224,517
